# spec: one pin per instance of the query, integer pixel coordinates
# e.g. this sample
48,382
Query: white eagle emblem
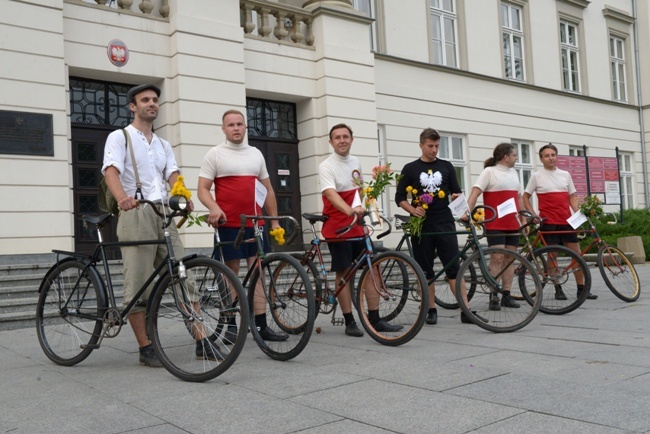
119,54
430,181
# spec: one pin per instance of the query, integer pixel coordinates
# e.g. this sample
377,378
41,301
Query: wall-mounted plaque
26,133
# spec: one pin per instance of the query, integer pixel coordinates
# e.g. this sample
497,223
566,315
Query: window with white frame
524,164
367,7
617,63
444,32
625,164
452,149
570,54
576,151
513,41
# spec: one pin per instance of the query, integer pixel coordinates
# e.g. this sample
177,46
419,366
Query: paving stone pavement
584,372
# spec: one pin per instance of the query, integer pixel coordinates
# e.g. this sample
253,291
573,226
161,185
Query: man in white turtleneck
340,179
233,167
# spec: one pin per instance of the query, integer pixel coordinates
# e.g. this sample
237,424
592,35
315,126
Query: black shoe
269,335
383,326
559,294
494,302
432,317
465,320
149,358
508,301
230,336
352,329
590,296
207,350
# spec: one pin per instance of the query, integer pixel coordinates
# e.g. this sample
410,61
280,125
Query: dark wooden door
282,164
87,158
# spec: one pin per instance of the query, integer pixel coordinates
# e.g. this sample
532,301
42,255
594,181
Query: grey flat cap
137,89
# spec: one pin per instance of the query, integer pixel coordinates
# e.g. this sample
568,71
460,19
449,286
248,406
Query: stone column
342,44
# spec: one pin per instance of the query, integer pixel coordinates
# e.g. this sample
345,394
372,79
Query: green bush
636,222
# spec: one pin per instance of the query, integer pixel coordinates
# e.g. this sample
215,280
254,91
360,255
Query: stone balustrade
277,22
152,8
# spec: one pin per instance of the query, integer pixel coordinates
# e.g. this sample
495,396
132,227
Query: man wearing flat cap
156,166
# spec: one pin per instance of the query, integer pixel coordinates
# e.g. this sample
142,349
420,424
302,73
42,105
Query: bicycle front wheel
559,269
619,274
210,304
69,313
392,298
487,308
281,300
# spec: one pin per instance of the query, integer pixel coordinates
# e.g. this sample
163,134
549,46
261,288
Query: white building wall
35,215
206,65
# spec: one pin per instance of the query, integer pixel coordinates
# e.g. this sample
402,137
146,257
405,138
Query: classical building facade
570,72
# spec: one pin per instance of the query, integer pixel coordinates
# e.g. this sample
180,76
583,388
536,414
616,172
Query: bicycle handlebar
531,218
360,221
355,219
613,216
477,222
388,231
169,217
243,218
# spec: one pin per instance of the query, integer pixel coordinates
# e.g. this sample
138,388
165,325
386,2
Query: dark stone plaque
26,133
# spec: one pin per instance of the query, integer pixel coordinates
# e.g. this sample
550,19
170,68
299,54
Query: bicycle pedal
91,347
338,321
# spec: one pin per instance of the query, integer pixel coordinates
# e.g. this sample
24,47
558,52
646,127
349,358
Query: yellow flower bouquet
278,234
423,200
178,189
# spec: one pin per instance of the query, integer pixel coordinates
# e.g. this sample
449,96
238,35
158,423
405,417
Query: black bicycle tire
210,370
438,300
423,299
317,285
546,306
471,287
490,325
608,281
306,327
51,278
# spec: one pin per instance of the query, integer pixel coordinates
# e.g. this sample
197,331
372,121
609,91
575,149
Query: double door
282,165
87,157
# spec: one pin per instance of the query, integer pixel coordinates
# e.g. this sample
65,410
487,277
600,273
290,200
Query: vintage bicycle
560,269
275,274
615,267
484,278
191,299
390,282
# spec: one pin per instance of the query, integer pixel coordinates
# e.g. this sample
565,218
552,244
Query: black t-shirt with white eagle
438,175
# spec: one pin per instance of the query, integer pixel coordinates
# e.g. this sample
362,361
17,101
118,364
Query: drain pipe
644,158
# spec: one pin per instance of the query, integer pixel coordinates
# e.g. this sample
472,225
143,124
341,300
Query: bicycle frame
596,240
99,255
472,244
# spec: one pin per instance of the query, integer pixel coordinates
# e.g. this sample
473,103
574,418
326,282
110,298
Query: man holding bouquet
340,178
430,182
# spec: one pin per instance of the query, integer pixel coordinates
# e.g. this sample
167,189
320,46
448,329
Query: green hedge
636,223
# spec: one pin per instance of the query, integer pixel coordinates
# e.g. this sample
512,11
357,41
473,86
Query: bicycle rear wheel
619,274
485,307
558,268
203,303
288,301
395,287
69,313
316,284
446,295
